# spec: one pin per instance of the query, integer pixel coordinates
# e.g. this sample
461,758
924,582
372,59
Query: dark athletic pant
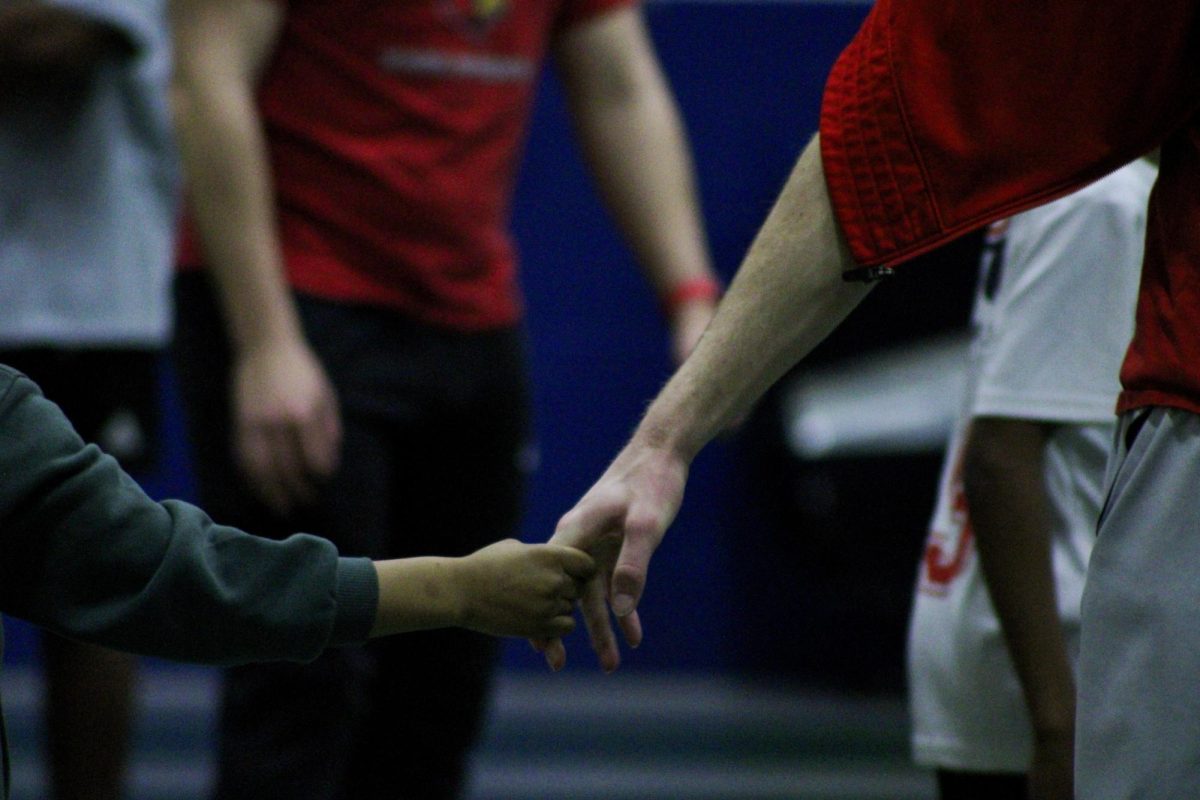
434,428
981,785
110,395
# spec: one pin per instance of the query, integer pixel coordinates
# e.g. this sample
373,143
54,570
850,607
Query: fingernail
622,605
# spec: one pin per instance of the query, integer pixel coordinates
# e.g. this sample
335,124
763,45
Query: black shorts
110,395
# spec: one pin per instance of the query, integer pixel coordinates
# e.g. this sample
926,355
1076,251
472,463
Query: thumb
598,512
644,528
629,575
576,563
320,440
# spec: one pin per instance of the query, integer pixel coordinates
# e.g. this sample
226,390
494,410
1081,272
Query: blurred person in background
995,624
351,355
87,212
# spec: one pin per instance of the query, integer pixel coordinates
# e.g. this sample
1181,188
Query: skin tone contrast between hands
505,589
788,295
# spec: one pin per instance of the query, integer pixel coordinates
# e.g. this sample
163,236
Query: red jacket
943,115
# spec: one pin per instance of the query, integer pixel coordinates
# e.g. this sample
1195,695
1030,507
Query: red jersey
394,131
943,115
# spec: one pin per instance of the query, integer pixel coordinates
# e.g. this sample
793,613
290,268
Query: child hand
515,589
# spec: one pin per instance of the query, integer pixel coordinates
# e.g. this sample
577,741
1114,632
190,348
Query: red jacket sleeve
943,115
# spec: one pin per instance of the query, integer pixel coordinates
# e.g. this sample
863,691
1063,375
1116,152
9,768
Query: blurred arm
635,147
224,152
286,415
1003,476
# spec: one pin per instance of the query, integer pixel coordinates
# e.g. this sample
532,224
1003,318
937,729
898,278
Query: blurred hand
287,429
620,522
514,589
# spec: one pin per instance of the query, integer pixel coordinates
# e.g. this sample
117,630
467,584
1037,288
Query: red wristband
684,292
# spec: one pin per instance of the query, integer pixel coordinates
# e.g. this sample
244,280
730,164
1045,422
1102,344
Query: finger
539,645
631,628
644,527
576,563
629,574
287,452
599,511
555,654
563,624
320,440
569,588
599,627
255,461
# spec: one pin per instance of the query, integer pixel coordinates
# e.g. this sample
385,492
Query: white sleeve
1064,312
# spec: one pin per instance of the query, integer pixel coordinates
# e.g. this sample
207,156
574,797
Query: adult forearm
787,297
1005,488
231,200
635,146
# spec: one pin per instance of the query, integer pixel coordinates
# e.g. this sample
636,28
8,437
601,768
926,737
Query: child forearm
505,589
415,594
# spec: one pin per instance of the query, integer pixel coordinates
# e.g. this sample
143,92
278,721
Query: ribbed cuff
357,597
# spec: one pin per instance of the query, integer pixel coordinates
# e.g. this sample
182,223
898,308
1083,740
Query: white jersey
1052,319
88,189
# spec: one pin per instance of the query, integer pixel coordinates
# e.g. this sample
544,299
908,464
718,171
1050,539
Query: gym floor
575,736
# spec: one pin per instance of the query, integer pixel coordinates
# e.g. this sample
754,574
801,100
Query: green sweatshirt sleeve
84,552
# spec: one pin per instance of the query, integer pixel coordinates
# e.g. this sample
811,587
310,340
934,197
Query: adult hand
287,430
620,522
